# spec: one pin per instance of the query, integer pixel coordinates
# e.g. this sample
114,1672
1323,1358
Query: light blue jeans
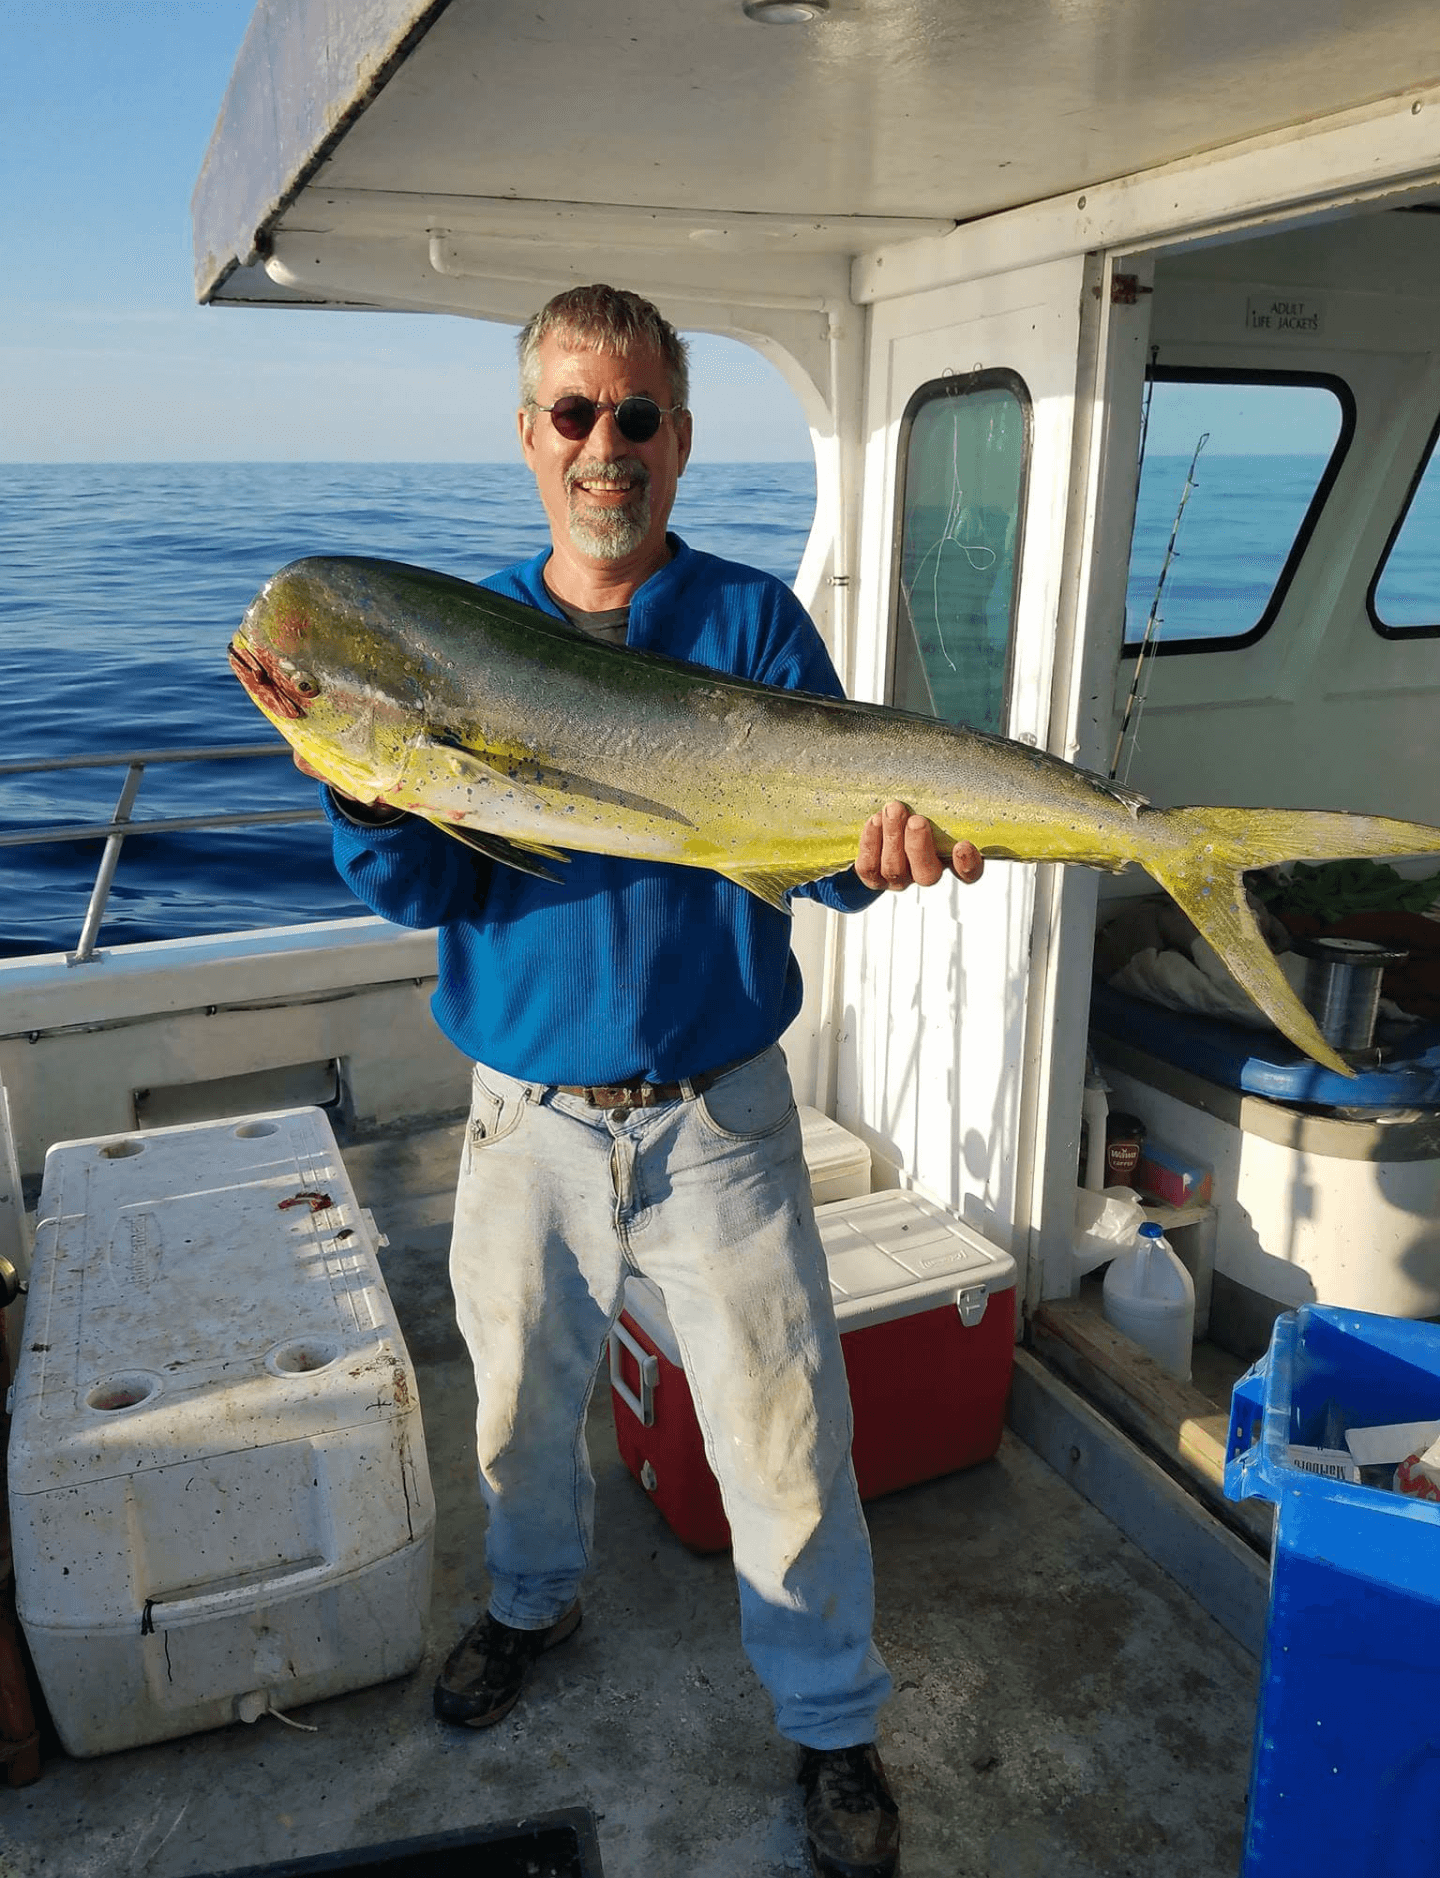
709,1198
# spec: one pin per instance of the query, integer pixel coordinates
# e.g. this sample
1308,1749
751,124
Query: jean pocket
494,1114
752,1102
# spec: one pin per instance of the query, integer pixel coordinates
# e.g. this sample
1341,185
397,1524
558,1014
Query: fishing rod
1150,638
1152,362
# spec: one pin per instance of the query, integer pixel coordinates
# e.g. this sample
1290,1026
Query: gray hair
604,319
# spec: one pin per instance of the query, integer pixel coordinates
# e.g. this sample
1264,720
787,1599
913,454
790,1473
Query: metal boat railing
120,825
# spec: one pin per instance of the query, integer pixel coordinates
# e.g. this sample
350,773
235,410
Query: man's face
607,498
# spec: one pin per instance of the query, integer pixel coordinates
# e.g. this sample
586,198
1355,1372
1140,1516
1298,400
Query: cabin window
964,450
1404,597
1275,442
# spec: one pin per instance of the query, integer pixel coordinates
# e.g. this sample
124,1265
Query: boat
978,243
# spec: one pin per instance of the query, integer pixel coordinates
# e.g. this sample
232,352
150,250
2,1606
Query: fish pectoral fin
769,884
528,857
470,768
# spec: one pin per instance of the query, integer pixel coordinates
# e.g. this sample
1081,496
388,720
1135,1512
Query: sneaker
851,1819
485,1672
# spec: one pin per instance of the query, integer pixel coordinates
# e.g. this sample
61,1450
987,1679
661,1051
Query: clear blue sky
1241,420
107,108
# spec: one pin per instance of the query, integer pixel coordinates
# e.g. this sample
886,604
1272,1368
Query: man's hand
897,850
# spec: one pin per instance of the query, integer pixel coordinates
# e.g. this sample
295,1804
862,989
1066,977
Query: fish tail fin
1203,867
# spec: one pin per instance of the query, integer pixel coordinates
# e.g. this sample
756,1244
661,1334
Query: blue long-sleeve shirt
624,969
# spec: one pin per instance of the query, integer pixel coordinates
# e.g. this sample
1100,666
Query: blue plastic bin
1345,1774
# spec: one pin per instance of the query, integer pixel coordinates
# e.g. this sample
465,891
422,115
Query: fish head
318,654
274,684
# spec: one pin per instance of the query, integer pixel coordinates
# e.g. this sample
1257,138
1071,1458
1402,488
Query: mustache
625,469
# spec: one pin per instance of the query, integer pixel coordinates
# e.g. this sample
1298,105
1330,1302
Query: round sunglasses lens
638,419
573,417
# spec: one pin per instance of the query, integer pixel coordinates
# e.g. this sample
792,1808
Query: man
631,1110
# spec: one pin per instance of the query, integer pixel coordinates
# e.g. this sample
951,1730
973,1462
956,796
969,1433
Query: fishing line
980,557
1135,702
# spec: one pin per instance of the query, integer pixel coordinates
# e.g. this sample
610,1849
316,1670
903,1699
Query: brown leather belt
645,1095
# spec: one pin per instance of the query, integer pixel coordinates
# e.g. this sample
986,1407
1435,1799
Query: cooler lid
894,1253
646,1306
197,1290
890,1255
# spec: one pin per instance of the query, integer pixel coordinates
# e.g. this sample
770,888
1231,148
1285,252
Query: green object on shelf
1335,889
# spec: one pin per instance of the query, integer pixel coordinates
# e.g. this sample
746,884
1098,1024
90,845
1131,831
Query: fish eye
303,682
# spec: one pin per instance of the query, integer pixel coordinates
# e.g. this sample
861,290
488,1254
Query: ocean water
120,585
1235,535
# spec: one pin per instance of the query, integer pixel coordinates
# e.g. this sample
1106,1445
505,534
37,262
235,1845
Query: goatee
610,534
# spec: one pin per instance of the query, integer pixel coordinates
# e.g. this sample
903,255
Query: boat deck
1063,1709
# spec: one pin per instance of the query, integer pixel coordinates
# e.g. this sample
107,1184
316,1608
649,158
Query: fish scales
528,738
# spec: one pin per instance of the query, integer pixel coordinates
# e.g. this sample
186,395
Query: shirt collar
652,594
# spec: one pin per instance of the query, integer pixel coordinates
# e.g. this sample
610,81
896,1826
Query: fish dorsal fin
1132,798
529,857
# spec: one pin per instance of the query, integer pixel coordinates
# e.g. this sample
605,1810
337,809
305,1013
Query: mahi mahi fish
525,737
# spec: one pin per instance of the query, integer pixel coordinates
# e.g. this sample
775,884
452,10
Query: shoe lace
848,1779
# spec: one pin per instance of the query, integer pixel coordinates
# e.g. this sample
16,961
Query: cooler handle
235,1595
971,1304
648,1370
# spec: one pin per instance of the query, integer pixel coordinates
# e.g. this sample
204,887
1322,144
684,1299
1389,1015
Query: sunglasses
637,419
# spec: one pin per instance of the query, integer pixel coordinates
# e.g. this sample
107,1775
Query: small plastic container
1124,1138
1094,1111
1150,1297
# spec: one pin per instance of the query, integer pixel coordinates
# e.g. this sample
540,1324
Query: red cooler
927,1322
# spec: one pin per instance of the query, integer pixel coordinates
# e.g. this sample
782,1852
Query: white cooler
219,1496
837,1162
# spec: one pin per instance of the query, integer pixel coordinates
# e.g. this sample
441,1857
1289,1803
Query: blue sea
120,585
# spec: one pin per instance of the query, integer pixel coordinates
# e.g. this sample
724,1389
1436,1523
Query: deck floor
1062,1708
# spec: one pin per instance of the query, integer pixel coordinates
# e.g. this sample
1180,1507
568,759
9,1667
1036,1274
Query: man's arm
397,864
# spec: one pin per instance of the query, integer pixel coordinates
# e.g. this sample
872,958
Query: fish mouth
269,687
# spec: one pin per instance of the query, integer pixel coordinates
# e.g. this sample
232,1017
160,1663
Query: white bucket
1150,1297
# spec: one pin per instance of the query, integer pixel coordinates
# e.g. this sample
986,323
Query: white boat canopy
456,154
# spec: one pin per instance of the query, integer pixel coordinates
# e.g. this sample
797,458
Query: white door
970,410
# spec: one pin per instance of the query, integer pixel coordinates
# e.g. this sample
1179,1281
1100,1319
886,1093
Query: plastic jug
1149,1295
1094,1107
